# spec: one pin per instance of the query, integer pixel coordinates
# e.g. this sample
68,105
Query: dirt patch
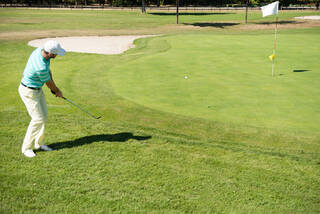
308,17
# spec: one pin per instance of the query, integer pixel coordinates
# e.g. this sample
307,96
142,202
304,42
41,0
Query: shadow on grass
301,70
119,137
25,23
279,22
295,71
209,24
187,14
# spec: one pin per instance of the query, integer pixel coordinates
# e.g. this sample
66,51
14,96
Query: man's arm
53,87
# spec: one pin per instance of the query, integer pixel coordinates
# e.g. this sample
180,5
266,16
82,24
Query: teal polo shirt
37,71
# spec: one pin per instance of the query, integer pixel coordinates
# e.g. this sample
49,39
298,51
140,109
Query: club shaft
80,108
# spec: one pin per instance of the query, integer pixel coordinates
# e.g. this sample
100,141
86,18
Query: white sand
308,17
92,44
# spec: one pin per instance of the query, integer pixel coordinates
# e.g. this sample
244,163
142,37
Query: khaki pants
35,103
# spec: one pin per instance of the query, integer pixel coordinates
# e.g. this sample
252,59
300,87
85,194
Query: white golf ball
186,77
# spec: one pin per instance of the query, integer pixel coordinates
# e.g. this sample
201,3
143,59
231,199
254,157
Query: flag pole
275,44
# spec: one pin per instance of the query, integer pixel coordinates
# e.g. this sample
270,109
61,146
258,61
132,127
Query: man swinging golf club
36,73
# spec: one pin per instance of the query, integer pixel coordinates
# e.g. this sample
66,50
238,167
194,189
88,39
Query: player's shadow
119,137
209,24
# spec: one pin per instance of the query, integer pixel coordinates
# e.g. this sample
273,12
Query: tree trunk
143,8
247,11
177,12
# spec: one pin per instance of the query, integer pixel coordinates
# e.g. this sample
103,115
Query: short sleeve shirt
37,71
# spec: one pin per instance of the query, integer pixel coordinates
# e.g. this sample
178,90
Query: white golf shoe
44,148
29,153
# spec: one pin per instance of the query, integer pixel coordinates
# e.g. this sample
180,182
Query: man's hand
54,89
58,93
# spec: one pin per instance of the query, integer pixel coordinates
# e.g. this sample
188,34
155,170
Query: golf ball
186,77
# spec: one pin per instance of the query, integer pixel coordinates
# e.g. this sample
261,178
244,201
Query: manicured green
229,79
229,139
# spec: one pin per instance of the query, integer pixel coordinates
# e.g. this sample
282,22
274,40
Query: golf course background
228,139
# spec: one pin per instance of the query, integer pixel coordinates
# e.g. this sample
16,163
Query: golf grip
55,93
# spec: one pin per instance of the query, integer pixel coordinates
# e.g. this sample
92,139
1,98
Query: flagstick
275,44
272,67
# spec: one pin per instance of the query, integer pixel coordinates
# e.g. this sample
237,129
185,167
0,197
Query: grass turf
166,144
229,79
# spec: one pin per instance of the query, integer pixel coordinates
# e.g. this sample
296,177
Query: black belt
30,87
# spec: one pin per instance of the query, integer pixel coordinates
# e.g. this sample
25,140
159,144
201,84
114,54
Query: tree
143,8
177,12
247,5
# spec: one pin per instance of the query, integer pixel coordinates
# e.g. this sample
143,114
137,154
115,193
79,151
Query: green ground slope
229,139
229,79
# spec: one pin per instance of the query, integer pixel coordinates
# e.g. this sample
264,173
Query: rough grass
141,158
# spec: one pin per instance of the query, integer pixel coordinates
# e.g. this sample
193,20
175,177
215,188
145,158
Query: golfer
36,73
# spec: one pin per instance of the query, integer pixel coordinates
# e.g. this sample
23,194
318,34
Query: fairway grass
34,23
229,139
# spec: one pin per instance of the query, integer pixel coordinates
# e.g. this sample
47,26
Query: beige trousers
35,103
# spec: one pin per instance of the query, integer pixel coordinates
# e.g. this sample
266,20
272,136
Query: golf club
78,107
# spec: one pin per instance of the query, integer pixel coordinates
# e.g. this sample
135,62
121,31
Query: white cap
54,47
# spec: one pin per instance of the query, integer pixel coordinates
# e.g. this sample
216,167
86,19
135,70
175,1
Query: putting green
229,78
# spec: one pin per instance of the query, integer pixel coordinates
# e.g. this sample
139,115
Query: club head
98,117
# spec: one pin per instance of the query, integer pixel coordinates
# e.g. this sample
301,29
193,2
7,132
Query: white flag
270,9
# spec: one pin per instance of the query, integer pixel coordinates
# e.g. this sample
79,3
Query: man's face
51,55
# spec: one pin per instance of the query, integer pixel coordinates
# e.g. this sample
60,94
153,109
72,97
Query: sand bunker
92,44
308,17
